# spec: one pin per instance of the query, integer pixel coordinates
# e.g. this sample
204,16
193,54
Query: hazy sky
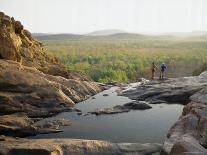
82,16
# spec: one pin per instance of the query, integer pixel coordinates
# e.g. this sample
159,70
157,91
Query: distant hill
61,37
105,32
45,36
187,34
120,35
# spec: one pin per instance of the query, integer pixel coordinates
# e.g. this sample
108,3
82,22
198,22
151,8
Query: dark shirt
163,67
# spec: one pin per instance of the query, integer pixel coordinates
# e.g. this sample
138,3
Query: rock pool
140,126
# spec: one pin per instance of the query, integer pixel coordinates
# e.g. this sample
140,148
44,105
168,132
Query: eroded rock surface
135,105
32,82
75,146
17,44
189,134
175,90
53,124
26,89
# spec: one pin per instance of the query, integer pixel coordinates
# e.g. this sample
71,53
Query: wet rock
75,146
135,105
19,125
52,124
79,113
114,110
105,94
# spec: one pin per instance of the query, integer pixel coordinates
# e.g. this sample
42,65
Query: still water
135,126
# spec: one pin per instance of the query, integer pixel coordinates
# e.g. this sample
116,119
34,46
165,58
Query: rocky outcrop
26,89
74,147
135,105
32,82
175,90
189,134
20,125
17,44
29,91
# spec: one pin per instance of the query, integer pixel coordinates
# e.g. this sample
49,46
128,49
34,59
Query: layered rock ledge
75,146
189,134
173,90
33,84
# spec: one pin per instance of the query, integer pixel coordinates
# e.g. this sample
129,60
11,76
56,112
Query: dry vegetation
123,58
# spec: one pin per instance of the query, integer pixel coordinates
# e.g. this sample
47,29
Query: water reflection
135,126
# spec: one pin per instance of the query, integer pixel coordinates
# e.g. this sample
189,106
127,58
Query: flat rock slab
19,125
175,90
135,105
53,124
74,147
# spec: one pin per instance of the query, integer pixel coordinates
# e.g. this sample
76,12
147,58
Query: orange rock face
31,81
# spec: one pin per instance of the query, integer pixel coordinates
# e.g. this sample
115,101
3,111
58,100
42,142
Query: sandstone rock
53,124
17,44
188,134
14,124
18,27
28,90
105,111
25,89
187,145
136,105
32,82
75,146
176,90
19,125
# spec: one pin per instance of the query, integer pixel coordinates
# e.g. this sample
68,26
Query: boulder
53,124
18,27
189,134
135,105
187,145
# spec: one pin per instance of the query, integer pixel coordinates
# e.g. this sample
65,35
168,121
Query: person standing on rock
153,69
163,67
